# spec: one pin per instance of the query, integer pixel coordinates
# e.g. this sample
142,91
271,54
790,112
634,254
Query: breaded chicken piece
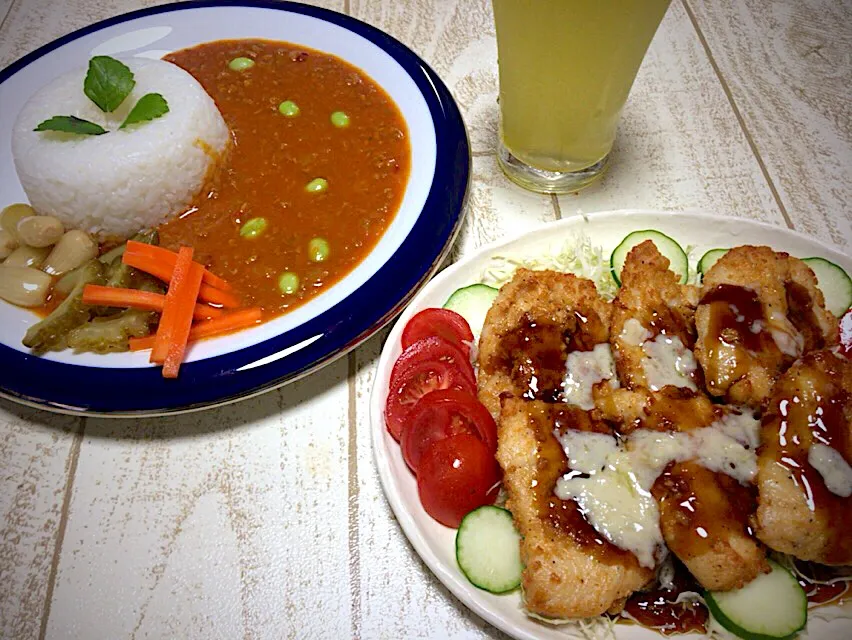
704,519
759,311
809,411
570,571
535,321
724,554
652,305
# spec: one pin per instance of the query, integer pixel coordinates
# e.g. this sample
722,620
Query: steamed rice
115,184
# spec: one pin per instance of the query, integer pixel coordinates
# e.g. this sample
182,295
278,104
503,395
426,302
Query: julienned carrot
230,321
96,294
164,272
176,319
170,257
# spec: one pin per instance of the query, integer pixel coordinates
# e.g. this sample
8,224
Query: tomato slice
443,323
417,380
457,474
846,334
431,348
441,414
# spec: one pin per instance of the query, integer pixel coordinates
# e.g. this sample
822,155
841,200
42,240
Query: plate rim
449,578
430,243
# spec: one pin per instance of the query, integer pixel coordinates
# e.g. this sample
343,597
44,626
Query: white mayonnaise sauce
835,471
614,492
667,361
583,370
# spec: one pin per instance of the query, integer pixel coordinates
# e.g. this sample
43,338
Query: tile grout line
353,488
740,120
482,154
74,456
346,7
554,200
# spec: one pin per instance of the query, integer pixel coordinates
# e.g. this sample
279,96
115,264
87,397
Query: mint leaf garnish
108,82
149,107
71,124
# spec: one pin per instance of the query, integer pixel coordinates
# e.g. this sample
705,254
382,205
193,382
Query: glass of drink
566,67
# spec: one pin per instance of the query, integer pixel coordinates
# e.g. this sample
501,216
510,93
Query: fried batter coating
811,404
570,570
703,514
651,302
535,321
759,311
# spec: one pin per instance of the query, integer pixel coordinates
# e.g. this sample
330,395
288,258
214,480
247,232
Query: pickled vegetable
51,334
112,333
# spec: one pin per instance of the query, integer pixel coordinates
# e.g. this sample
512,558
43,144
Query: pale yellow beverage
566,68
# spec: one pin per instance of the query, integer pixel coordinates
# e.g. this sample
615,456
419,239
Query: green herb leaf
108,83
149,107
71,124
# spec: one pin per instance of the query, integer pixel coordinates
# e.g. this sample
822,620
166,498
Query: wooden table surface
266,519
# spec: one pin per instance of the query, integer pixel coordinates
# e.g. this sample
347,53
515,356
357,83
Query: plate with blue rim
225,369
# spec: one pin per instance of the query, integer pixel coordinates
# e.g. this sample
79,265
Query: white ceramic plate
434,542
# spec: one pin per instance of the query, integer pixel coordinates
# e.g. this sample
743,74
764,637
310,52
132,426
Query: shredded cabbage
576,255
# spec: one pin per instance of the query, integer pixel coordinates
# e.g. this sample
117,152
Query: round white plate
436,543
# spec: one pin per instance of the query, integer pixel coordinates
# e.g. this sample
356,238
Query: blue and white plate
228,368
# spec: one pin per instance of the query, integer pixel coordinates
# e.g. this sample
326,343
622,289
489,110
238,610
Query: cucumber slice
472,303
773,606
834,283
679,263
709,259
488,549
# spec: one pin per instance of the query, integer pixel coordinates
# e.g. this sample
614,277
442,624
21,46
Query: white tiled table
265,519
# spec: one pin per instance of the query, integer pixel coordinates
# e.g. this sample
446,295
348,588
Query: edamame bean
241,64
289,109
317,185
339,119
288,283
253,228
318,249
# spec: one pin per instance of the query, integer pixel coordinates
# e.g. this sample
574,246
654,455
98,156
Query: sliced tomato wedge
416,379
441,414
431,348
457,475
443,323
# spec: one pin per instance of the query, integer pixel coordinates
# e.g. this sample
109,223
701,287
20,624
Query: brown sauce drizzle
666,321
564,516
734,310
534,353
699,507
806,407
823,594
800,311
656,609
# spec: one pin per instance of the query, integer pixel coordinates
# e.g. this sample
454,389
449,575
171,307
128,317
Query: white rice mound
115,184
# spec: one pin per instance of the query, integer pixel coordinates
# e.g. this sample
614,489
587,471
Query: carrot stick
95,294
170,257
226,323
170,320
183,302
164,272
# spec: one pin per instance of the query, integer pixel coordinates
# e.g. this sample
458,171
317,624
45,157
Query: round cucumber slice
709,259
773,606
488,549
678,262
834,283
472,303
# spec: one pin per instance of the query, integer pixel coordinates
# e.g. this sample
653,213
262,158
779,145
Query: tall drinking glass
566,68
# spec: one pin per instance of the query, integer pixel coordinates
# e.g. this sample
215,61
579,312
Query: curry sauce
306,174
